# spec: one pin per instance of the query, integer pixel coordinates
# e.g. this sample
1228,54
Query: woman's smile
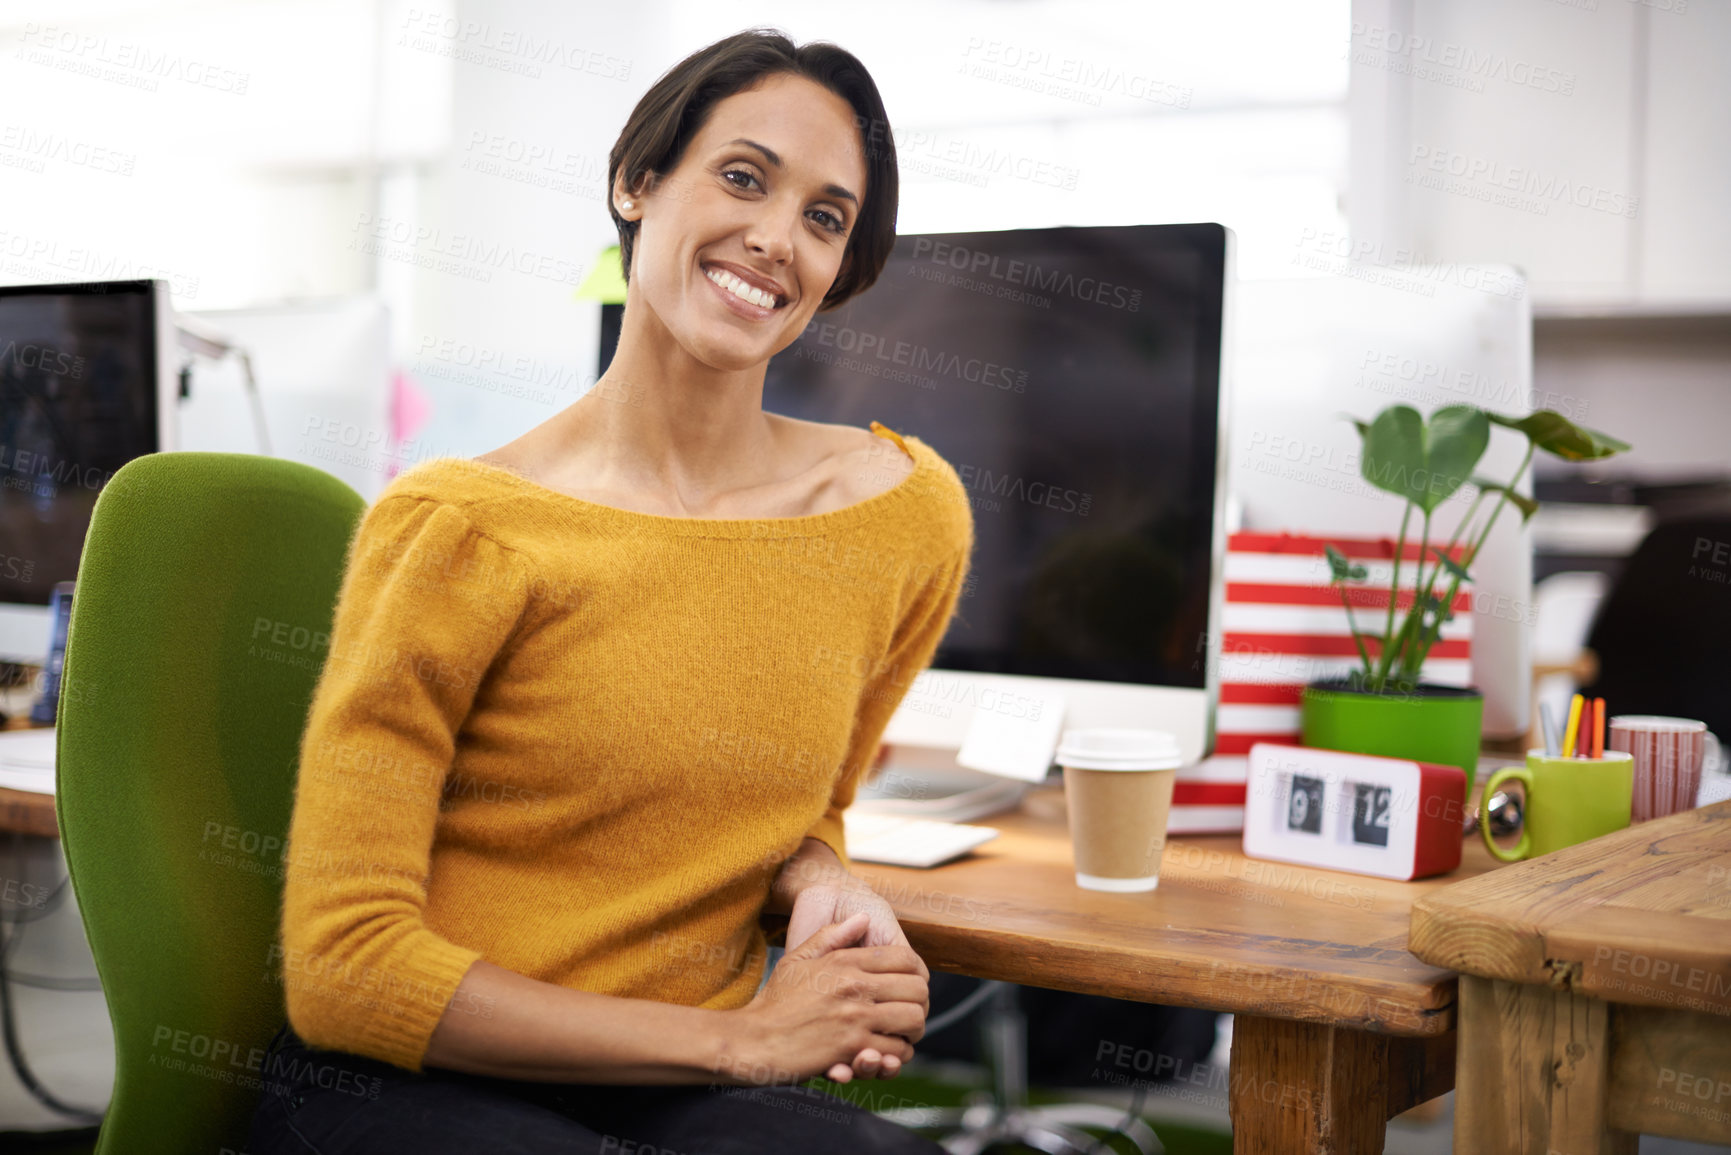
748,295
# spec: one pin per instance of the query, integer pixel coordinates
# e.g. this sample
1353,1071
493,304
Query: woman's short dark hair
676,107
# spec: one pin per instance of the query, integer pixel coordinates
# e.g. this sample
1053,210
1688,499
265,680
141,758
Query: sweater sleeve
911,649
426,604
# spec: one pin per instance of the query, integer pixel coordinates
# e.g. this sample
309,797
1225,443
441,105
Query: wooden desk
1340,1028
1595,998
21,810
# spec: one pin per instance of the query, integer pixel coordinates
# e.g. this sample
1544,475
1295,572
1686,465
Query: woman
597,700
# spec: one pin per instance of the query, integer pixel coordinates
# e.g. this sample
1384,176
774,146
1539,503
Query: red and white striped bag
1283,626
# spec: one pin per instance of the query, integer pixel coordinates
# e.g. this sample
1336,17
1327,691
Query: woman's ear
628,202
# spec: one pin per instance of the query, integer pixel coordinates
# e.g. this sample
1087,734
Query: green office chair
199,623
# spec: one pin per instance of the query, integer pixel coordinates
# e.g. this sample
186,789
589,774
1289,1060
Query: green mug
1569,800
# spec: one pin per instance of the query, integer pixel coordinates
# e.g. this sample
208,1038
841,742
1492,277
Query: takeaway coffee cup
1118,785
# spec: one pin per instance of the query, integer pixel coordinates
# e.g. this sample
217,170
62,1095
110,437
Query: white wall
1586,141
500,345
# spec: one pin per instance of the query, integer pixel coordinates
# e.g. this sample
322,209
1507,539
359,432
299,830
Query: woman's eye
745,180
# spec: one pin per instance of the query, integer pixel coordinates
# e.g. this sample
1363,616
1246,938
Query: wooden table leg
1305,1087
1533,1072
1671,1073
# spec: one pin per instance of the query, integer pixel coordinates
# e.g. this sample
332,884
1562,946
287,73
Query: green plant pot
1431,724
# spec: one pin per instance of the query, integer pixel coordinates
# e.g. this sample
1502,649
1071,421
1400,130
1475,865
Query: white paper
1013,734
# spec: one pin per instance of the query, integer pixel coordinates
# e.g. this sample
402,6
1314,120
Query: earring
626,205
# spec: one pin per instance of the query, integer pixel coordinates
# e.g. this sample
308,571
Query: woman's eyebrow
774,158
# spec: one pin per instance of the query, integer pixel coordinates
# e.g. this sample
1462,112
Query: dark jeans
332,1103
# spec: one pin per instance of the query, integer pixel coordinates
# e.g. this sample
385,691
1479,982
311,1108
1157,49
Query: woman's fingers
906,1020
886,1045
840,1073
894,988
885,930
886,960
831,937
888,1066
868,1063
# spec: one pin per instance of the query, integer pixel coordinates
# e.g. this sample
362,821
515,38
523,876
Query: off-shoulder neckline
639,522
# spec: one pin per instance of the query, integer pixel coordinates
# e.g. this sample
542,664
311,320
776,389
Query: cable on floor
11,933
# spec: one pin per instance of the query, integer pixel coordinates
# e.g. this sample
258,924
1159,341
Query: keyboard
897,841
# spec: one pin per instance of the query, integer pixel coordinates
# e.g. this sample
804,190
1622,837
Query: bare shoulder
516,455
861,464
883,460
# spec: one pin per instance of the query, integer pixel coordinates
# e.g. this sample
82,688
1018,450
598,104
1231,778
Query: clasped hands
820,906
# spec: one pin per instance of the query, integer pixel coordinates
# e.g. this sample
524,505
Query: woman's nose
771,234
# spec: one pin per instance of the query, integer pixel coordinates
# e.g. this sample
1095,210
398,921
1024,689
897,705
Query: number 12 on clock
1370,814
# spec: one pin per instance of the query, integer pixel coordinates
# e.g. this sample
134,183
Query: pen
1574,727
1598,727
1548,729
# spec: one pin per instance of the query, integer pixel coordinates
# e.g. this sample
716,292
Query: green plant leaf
1342,570
1441,611
1520,501
1393,449
1424,463
1455,438
1560,437
1363,427
1454,567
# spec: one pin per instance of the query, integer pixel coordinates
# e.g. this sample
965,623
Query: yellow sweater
577,741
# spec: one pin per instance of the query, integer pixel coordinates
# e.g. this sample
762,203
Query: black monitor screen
1072,378
77,401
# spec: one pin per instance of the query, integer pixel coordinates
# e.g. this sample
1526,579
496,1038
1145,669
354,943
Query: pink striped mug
1668,755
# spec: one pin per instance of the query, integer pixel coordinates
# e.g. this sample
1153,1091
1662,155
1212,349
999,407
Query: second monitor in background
86,384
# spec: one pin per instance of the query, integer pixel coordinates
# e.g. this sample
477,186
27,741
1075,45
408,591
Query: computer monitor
1073,378
1314,350
87,383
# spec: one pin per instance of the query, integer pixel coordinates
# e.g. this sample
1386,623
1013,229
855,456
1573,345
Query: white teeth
740,289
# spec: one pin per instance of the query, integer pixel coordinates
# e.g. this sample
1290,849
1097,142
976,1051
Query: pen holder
1569,800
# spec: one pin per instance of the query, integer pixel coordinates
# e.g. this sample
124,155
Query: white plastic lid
1658,724
1119,748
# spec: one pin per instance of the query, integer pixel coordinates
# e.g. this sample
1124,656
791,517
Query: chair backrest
1663,634
199,624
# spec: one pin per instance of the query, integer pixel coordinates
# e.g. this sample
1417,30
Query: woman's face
762,203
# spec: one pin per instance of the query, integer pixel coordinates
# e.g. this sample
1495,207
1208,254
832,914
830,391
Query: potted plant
1383,707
